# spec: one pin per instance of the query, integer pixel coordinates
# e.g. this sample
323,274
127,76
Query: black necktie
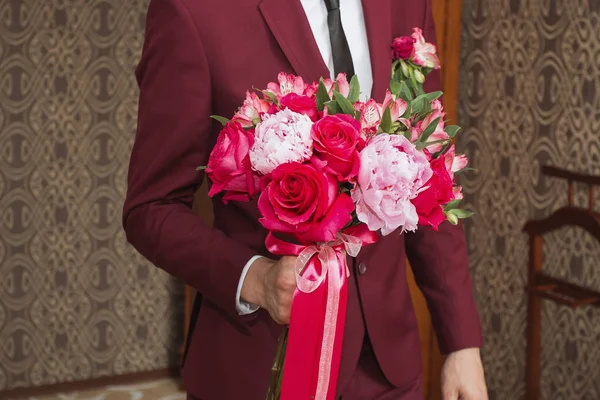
342,59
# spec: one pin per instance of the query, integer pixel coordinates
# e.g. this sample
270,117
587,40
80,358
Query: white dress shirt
353,22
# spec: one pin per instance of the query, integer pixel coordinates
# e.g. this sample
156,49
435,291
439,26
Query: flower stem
277,368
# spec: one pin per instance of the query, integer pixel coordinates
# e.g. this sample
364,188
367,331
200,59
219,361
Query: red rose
403,47
300,104
229,167
428,203
337,141
303,201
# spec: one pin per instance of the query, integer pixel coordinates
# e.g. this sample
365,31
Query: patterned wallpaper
75,301
530,96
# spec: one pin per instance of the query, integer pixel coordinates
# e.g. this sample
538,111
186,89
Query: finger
450,395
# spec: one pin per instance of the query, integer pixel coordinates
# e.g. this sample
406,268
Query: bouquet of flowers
333,172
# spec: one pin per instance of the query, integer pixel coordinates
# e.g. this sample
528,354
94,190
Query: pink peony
403,47
301,104
392,173
303,200
438,193
251,111
425,54
281,138
370,116
229,166
287,83
337,141
398,106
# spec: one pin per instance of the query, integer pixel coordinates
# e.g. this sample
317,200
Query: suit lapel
288,24
379,32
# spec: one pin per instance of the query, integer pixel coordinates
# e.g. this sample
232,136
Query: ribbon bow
318,314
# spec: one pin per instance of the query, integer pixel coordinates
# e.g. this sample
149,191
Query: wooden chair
543,286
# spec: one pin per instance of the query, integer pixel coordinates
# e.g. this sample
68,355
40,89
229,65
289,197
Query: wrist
253,290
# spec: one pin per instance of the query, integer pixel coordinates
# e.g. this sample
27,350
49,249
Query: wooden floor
163,389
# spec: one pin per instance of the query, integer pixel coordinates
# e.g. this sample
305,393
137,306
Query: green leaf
466,169
398,76
386,121
333,107
434,95
443,150
408,111
271,96
354,89
421,145
395,88
345,104
461,214
202,168
394,66
417,105
224,121
429,130
426,108
322,96
452,205
405,92
452,130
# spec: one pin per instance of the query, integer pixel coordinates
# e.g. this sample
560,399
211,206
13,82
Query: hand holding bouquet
332,172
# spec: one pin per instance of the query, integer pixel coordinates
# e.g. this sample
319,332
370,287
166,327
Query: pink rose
370,116
425,54
287,83
337,141
281,138
438,193
397,105
392,172
251,111
229,165
303,200
301,104
403,47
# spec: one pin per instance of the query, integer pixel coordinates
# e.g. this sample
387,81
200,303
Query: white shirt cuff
242,307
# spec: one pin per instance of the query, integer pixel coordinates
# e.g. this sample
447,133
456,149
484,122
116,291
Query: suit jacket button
362,268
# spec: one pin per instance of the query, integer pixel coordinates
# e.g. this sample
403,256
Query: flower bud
405,69
419,77
452,218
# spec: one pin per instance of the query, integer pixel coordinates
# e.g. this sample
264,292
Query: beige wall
530,96
75,301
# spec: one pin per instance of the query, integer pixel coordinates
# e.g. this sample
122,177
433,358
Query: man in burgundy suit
199,58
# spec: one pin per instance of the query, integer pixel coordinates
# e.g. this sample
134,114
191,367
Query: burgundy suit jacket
199,58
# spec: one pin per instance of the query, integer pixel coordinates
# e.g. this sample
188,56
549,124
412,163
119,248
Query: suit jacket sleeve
440,265
173,138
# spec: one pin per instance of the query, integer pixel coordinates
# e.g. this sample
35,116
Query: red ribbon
316,332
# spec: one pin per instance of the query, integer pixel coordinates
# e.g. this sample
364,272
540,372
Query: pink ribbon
316,332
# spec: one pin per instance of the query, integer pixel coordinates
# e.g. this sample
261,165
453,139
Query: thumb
450,395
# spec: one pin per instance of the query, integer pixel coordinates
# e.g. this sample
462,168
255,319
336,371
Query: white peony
281,138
